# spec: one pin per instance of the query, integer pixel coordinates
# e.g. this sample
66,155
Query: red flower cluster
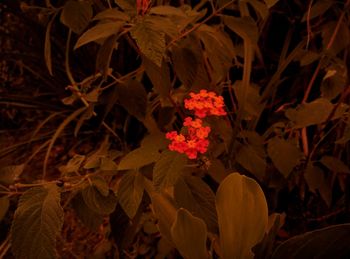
205,103
195,140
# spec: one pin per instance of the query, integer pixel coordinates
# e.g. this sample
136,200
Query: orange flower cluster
205,103
195,140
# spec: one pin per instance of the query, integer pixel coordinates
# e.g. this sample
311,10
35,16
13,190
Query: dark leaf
284,155
311,113
168,169
37,222
335,164
100,31
89,218
4,205
251,160
245,27
133,97
150,41
186,62
159,76
97,202
130,192
167,10
189,234
329,242
196,196
112,14
76,15
317,9
104,54
9,174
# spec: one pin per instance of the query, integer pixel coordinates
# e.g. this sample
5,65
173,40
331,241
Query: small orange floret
205,103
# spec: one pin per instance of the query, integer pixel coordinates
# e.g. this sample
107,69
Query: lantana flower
195,139
205,103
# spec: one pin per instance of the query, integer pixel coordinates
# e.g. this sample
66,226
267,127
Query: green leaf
186,64
89,218
242,216
4,206
250,158
245,27
334,81
112,14
100,31
260,8
329,242
218,48
107,164
265,248
100,184
316,180
217,170
104,54
150,41
346,135
133,97
139,157
165,212
168,169
317,9
73,164
159,76
252,102
9,174
193,194
335,164
270,3
97,201
189,234
76,15
284,155
341,39
37,221
167,10
221,128
130,192
47,47
155,142
307,57
315,112
127,5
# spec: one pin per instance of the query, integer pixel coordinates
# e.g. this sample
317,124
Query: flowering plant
195,140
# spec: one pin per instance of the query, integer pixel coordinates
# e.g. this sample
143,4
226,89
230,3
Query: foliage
123,121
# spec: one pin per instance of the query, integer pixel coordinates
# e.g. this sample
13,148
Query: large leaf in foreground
330,242
37,221
189,234
242,215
